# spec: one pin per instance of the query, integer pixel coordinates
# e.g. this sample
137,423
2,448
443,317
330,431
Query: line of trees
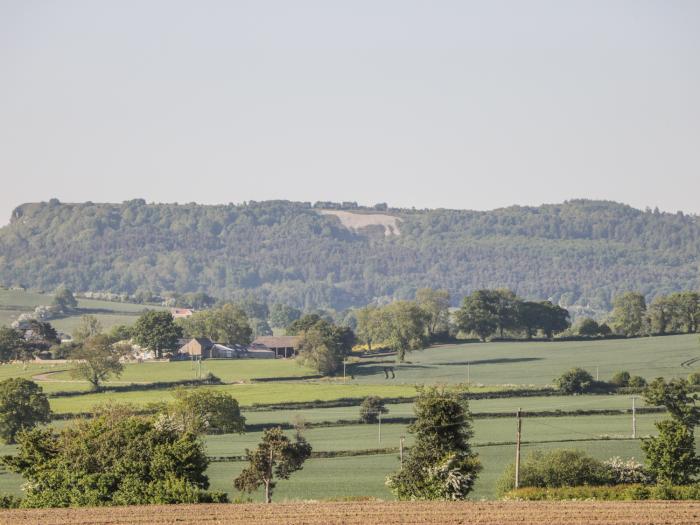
667,314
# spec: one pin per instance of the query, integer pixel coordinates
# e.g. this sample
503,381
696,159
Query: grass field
536,363
13,303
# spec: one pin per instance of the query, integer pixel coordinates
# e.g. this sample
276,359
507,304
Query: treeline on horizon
579,254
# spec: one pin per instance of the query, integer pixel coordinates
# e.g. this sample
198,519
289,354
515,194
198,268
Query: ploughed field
371,512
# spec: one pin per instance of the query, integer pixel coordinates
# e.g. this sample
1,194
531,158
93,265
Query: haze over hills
579,253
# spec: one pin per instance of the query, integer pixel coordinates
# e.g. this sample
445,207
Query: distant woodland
578,254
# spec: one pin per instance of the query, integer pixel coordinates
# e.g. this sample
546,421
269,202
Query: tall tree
23,405
12,344
441,463
477,314
203,411
436,305
156,331
97,359
554,319
661,315
686,307
628,315
282,315
276,457
228,325
401,326
323,346
89,326
64,300
505,307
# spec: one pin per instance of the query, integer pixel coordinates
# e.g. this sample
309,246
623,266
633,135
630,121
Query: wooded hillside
577,253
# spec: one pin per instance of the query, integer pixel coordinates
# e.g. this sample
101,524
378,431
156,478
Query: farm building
282,346
205,348
180,313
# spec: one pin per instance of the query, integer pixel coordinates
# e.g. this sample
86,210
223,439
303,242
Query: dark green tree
276,457
12,344
441,463
478,315
64,300
89,326
629,314
228,325
115,458
156,331
282,315
588,327
323,346
204,411
436,306
23,405
575,381
370,409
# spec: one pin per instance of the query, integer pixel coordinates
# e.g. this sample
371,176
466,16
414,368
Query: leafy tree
368,325
64,299
676,397
41,335
505,306
554,319
303,323
89,326
23,405
637,382
282,315
478,315
686,308
436,305
97,360
694,379
260,327
588,327
661,315
156,331
276,457
227,324
621,379
441,463
115,458
628,315
323,346
255,309
120,332
205,411
401,326
12,344
604,330
575,381
370,409
670,456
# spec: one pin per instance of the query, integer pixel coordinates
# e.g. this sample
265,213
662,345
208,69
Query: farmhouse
282,346
180,313
205,348
198,347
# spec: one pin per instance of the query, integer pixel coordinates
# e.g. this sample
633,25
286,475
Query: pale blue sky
435,103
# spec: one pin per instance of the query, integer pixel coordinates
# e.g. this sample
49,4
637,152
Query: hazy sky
418,103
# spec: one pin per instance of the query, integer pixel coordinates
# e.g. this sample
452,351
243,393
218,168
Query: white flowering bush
626,471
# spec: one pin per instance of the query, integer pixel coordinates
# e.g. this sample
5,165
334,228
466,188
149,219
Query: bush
370,409
637,382
626,471
694,379
8,501
557,468
575,381
607,493
621,379
588,327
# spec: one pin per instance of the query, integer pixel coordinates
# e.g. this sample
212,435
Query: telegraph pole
380,428
401,450
634,418
468,380
343,370
597,378
517,448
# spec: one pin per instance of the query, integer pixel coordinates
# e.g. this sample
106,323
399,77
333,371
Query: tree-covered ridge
576,253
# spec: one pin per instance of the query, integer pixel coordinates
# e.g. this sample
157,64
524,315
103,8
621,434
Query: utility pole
343,370
468,380
597,378
380,428
517,448
634,418
199,371
401,450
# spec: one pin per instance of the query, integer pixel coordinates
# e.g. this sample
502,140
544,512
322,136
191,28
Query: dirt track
365,513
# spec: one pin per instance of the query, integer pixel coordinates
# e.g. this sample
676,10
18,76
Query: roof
280,341
204,341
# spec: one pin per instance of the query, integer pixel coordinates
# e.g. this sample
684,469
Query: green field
13,303
536,363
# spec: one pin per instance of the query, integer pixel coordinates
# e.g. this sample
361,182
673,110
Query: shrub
637,382
621,379
694,379
607,493
556,468
370,409
7,501
626,471
588,327
575,381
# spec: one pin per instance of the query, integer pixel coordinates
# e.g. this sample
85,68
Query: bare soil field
482,513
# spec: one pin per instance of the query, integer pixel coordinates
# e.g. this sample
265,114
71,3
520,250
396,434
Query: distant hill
579,253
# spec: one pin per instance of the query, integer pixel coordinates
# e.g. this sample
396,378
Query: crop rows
376,512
